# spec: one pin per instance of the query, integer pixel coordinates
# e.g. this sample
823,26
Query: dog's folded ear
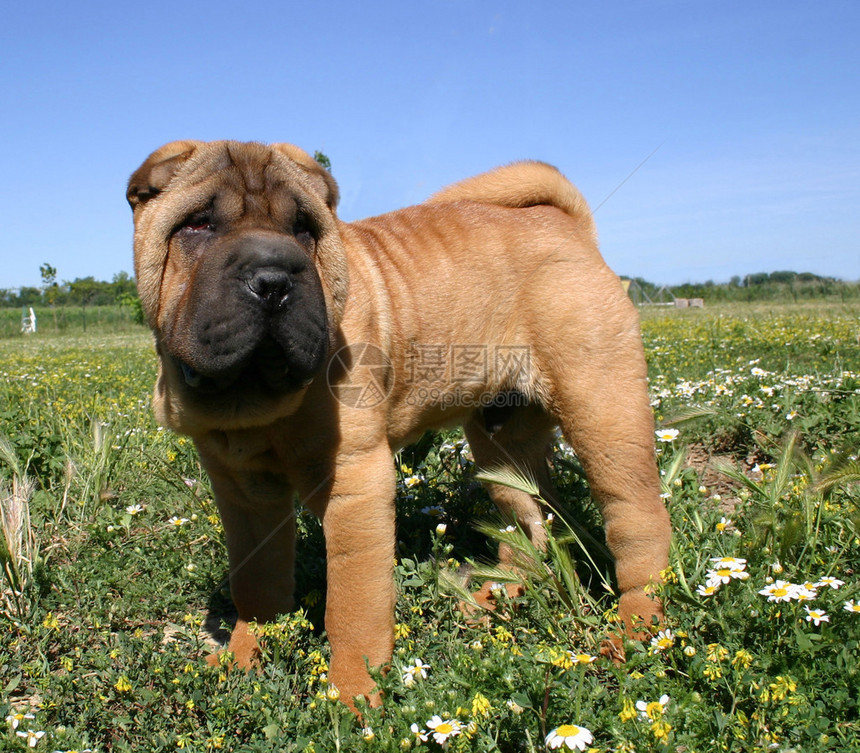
152,177
321,178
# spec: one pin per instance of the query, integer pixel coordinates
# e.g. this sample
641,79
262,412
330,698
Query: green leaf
522,700
11,685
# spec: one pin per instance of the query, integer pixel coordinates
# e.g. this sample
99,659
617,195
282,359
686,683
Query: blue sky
749,111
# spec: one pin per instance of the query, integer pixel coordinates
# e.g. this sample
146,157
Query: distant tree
124,291
49,275
131,303
323,160
50,289
810,277
86,292
123,285
29,296
784,276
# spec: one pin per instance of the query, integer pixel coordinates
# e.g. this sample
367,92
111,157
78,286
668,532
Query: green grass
106,607
71,320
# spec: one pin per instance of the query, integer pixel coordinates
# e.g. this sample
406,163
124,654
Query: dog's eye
198,222
304,230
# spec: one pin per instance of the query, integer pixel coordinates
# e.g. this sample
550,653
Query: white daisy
779,590
725,523
654,710
805,592
708,589
15,719
816,616
663,641
725,575
444,729
733,563
569,736
829,580
416,671
31,736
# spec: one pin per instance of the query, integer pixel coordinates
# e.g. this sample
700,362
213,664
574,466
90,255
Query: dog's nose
271,285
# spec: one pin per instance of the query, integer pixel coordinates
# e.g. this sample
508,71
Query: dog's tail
522,184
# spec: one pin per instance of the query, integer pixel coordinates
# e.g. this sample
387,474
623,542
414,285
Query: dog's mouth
268,366
254,324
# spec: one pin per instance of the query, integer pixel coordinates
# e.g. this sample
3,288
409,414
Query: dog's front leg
260,529
358,522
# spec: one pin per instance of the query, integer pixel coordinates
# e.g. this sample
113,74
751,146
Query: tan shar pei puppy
299,352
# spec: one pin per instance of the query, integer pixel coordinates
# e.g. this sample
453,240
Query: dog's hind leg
603,408
520,443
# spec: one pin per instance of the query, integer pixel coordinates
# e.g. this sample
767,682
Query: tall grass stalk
18,546
552,569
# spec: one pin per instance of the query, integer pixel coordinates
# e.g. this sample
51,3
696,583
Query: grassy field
70,320
114,570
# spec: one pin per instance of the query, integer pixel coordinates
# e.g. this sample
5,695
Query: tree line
82,291
764,286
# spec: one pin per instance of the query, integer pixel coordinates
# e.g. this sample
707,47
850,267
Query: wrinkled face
228,263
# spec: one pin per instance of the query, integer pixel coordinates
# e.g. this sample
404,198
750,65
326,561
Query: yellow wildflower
742,659
628,710
661,729
782,687
652,711
561,658
481,705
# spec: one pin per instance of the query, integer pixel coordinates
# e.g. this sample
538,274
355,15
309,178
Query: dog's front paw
612,648
243,649
640,613
486,599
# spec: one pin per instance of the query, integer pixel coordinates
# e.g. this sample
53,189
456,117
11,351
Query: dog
298,352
